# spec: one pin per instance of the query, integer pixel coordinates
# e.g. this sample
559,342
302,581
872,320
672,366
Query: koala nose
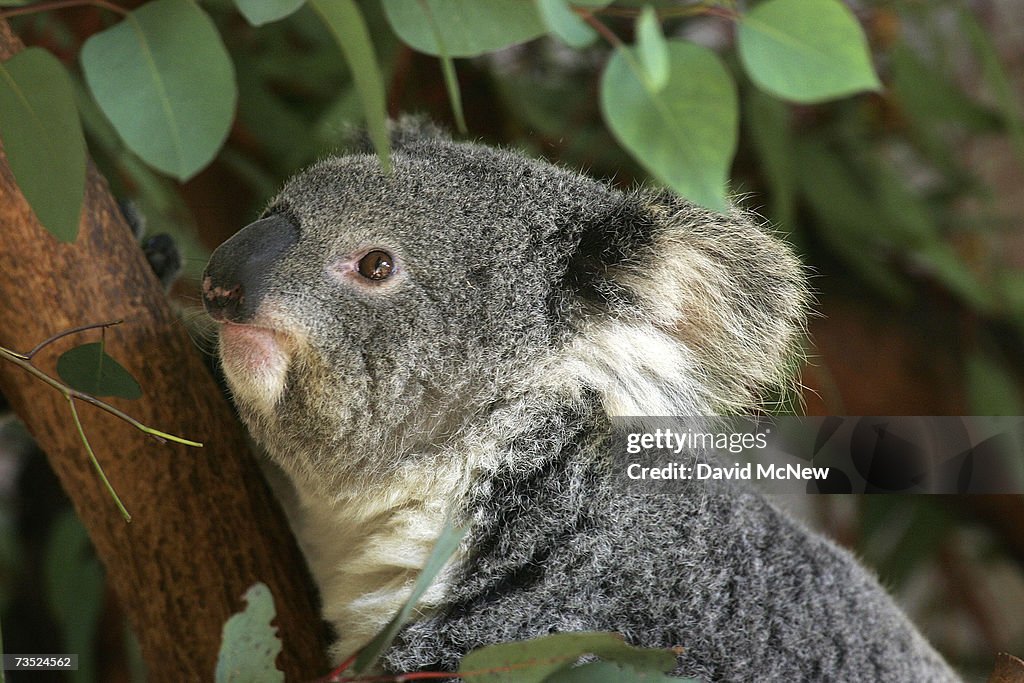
237,276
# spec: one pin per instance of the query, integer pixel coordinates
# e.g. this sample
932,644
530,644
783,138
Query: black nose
239,272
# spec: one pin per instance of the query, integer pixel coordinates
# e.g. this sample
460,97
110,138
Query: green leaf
445,546
997,78
74,581
685,134
652,48
848,214
925,527
164,79
565,23
250,644
468,28
451,84
533,661
806,50
948,267
612,672
259,12
451,81
928,95
346,24
88,368
767,119
43,139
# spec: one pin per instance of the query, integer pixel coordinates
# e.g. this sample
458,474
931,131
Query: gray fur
532,304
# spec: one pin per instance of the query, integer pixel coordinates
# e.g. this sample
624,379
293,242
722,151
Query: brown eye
376,265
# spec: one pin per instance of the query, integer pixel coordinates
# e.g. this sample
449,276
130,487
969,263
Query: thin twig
96,463
598,26
69,392
60,335
708,8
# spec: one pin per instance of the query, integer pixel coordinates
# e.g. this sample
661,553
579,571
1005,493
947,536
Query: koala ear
613,235
706,312
407,133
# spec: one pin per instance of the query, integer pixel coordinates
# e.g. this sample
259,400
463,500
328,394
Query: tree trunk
205,526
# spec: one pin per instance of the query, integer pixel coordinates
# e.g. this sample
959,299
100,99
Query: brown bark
205,526
1009,669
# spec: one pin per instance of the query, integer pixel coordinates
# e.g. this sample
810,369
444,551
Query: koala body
453,338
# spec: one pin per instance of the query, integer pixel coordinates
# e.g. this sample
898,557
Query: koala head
368,316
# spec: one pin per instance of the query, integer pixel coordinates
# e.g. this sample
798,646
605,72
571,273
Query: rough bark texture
205,527
1009,669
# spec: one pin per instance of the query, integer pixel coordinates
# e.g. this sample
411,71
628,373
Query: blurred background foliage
907,205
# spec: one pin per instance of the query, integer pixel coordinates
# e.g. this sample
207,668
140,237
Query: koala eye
376,265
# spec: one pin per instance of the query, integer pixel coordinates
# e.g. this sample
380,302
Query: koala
454,339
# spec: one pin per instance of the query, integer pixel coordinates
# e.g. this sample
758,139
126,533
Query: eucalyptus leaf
652,48
88,368
768,122
164,79
848,214
74,583
565,23
928,529
533,661
346,24
806,51
612,672
684,134
445,546
468,28
929,96
995,75
259,12
249,642
42,138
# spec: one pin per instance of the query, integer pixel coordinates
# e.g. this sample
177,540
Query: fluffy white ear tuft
714,323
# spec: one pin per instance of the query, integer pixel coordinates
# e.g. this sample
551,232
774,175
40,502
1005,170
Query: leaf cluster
166,83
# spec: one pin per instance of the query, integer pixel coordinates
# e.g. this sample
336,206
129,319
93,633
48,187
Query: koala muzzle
235,279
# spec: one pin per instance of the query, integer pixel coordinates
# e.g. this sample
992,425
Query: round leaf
806,50
90,369
467,27
164,79
43,139
250,643
259,12
565,23
652,48
684,134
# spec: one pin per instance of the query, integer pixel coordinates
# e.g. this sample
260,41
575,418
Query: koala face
370,319
367,315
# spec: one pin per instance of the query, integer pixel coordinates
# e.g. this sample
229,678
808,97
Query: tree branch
205,527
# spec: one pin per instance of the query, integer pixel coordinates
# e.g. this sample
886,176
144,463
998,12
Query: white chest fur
365,547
